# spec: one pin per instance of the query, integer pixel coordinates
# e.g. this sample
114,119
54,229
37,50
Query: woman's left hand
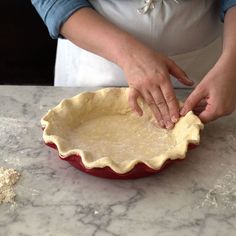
215,95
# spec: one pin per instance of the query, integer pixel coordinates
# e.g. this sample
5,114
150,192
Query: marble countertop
193,197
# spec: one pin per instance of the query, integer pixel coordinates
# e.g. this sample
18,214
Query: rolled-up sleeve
55,12
225,5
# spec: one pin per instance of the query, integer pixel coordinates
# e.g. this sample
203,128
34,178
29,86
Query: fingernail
169,125
174,119
185,77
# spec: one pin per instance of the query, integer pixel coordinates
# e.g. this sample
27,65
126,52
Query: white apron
188,31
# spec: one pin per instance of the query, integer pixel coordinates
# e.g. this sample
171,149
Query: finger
133,96
171,101
214,110
202,103
209,113
198,110
194,98
200,106
160,103
206,116
156,112
178,73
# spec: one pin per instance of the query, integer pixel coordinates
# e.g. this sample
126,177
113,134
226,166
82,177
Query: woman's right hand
147,72
148,76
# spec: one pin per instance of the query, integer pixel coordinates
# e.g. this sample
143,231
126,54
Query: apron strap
149,5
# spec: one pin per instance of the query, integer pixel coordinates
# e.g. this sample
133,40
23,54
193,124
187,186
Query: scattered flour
8,177
223,194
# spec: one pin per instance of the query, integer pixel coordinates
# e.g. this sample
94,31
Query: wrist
225,68
229,54
128,52
228,58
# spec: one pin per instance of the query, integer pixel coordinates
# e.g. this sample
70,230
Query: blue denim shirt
55,12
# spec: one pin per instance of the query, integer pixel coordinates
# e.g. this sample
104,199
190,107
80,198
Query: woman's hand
215,96
148,76
147,72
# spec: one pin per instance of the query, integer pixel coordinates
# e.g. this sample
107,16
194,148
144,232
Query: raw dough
101,128
8,177
124,137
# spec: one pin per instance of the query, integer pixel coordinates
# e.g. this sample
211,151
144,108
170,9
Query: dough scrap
8,178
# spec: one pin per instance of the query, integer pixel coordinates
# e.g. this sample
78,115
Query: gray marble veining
193,197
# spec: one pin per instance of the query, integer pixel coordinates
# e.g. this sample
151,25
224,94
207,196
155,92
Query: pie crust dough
101,128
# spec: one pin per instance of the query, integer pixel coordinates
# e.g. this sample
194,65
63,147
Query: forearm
89,30
229,39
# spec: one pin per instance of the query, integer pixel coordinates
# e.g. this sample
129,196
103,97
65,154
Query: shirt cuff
55,12
225,6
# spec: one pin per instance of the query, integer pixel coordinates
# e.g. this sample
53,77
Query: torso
186,32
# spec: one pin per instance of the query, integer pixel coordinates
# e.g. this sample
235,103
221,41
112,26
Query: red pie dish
98,133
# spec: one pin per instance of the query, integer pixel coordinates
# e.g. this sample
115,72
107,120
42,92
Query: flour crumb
223,194
8,178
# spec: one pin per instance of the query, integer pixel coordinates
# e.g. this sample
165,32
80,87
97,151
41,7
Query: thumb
194,98
208,114
178,73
